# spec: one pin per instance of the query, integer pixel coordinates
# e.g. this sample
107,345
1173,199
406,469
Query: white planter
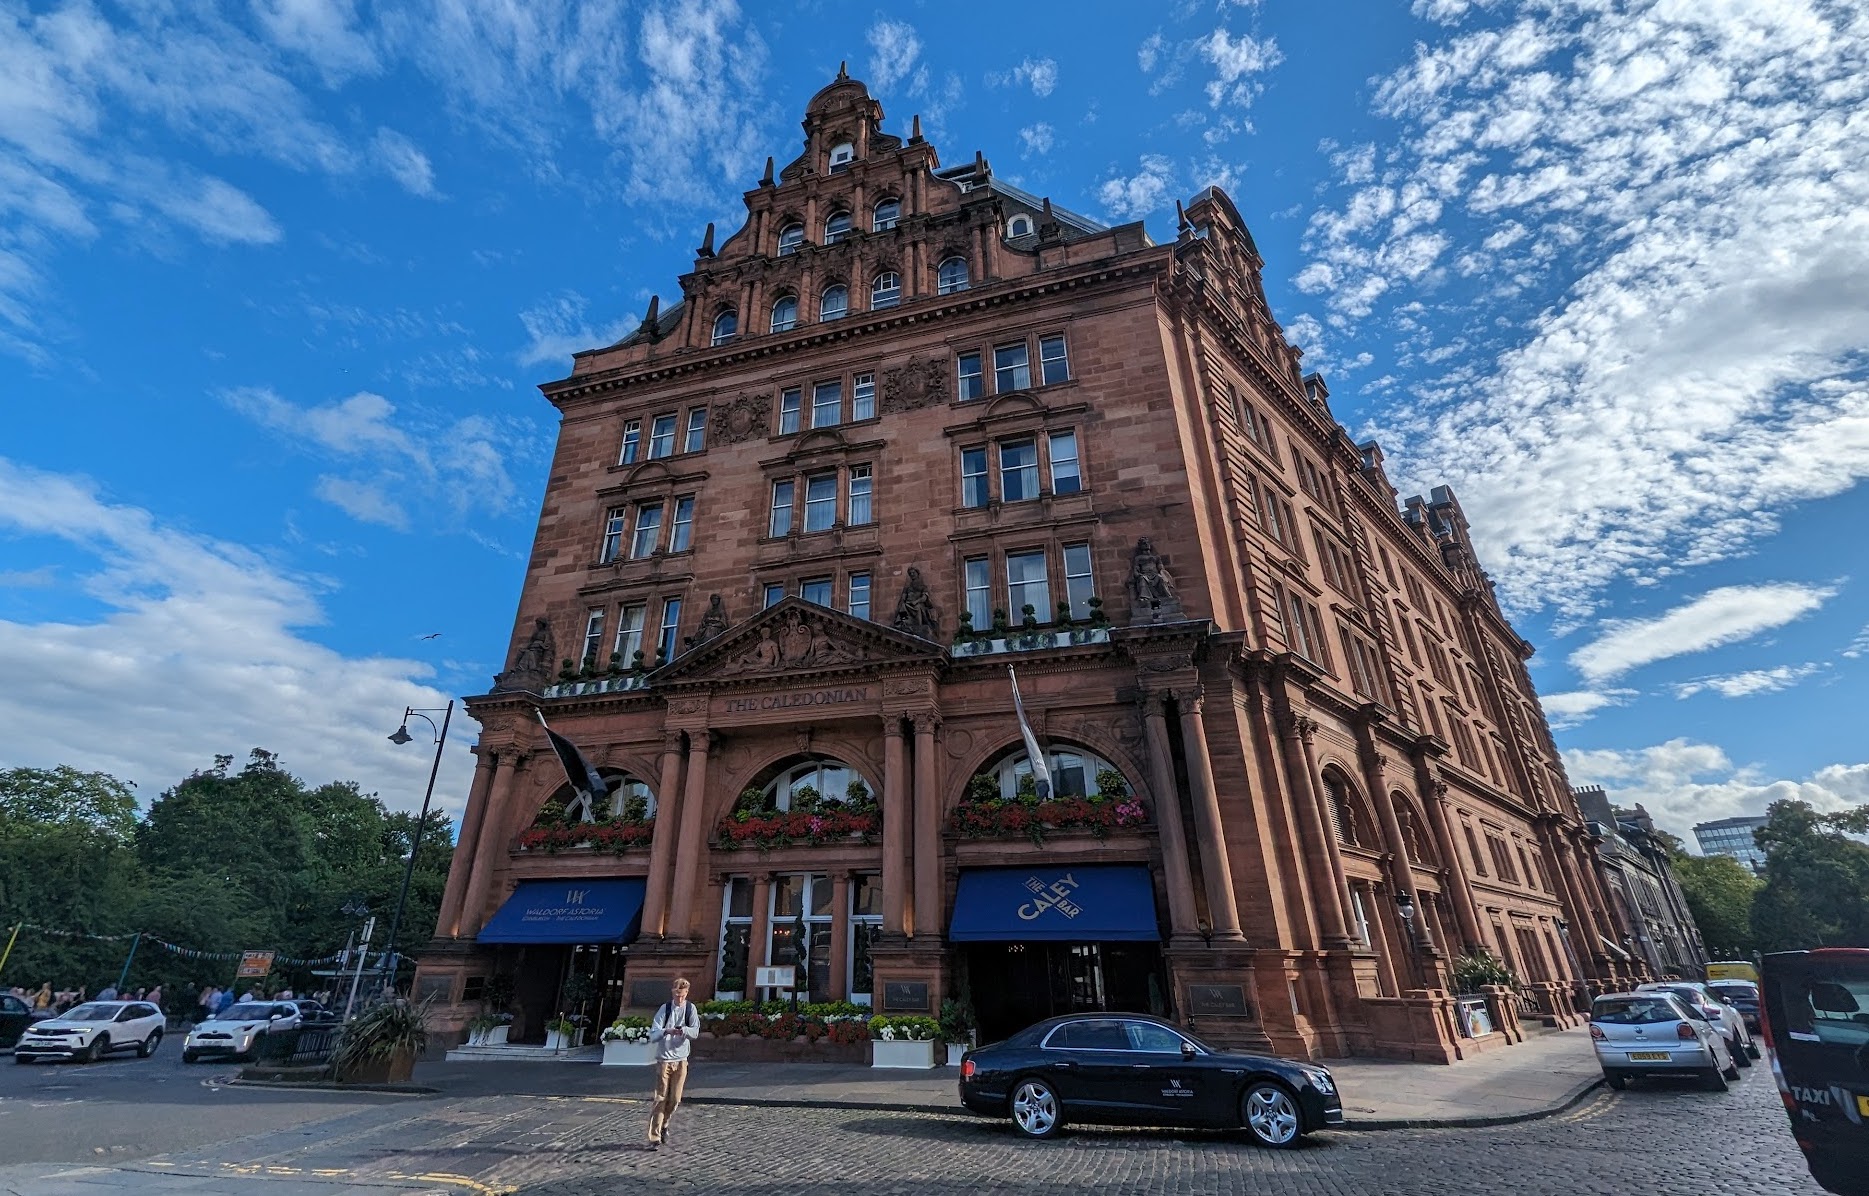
729,995
954,1051
554,1041
618,1053
903,1053
492,1037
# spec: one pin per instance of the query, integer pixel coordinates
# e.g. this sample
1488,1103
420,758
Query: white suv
240,1029
93,1030
1731,1022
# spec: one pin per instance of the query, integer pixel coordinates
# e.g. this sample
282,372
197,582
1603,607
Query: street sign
254,965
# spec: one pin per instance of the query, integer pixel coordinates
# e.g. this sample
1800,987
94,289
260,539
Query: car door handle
1232,1071
1064,1065
1140,1066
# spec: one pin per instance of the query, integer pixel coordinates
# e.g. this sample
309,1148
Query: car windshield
246,1012
92,1012
1634,1011
1738,990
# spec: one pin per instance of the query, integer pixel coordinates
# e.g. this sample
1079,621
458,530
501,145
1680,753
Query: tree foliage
1816,890
1720,892
225,861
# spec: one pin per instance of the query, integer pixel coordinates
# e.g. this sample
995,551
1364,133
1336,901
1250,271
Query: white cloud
1858,646
1141,194
199,651
1649,223
362,501
324,31
1752,681
405,163
1237,62
1568,710
1040,74
1722,616
559,327
1150,52
895,49
220,212
1037,139
1682,782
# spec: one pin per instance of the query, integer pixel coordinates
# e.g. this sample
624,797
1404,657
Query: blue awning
569,911
1085,904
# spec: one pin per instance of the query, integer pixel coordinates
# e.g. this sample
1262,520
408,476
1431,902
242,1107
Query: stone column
668,807
1322,861
927,831
448,924
756,957
1176,874
895,827
693,843
490,847
1434,800
1401,868
1222,905
840,934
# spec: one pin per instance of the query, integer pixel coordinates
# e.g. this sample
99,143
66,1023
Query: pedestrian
209,1001
675,1024
153,996
43,998
225,1001
285,994
107,993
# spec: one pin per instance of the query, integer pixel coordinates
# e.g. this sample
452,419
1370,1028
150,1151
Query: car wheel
1036,1111
147,1047
1732,1071
96,1050
190,1057
1752,1048
1713,1080
1741,1057
1616,1080
22,1060
1270,1114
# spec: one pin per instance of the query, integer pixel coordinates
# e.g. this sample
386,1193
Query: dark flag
580,772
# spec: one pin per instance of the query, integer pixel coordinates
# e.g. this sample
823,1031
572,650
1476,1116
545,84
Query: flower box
729,995
615,836
903,1053
492,1036
556,1040
618,1053
954,1051
999,818
797,828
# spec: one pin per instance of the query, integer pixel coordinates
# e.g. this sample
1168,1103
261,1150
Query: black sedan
1131,1069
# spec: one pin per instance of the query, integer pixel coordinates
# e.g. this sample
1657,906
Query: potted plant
495,999
567,672
561,1034
964,633
907,1041
956,1029
1472,972
380,1045
626,1043
489,1029
730,988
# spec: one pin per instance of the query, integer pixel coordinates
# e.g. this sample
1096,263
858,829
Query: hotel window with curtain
671,627
863,397
1027,585
696,440
859,589
662,437
681,527
820,502
790,400
632,442
782,496
615,524
858,505
629,632
979,585
648,529
593,637
827,404
1079,583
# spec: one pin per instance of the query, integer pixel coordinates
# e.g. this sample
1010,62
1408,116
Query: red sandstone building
909,425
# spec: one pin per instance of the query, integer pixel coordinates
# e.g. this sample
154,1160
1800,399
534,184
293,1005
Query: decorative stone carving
801,642
532,664
713,622
915,610
1152,594
1166,664
959,742
741,418
902,687
915,383
687,706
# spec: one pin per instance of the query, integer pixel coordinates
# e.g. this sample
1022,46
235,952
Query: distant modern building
1733,836
1646,898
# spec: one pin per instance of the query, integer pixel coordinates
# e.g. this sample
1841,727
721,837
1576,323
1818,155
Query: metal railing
302,1046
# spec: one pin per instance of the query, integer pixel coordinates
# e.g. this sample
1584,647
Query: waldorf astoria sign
795,699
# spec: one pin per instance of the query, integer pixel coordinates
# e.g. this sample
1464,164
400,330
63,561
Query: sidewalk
1544,1074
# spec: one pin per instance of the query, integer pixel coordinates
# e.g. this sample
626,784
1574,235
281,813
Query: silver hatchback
1655,1033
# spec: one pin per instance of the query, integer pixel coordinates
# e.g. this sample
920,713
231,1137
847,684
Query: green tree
1720,892
1816,890
65,797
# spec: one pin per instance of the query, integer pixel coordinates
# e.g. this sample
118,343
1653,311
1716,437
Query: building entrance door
1016,984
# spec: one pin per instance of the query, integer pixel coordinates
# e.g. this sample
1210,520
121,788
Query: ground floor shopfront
1226,842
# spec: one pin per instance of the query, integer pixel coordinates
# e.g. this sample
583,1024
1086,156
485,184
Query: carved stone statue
532,664
799,642
915,610
1153,598
712,623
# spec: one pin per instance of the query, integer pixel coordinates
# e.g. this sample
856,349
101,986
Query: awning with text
569,911
1097,903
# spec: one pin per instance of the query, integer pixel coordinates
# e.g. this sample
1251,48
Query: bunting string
174,949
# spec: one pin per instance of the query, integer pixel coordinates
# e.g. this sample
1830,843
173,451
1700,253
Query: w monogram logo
575,896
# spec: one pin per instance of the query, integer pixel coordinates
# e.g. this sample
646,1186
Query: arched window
821,781
1344,818
886,291
725,325
886,214
1074,773
1019,226
790,238
1415,837
835,302
953,275
837,228
629,798
785,313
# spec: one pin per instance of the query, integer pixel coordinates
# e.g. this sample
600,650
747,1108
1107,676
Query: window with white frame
1053,364
837,228
615,524
632,443
783,492
1018,470
1062,448
662,437
835,303
791,238
1019,226
952,275
648,529
979,586
1012,367
886,214
629,633
859,591
725,325
858,483
1074,772
671,627
696,439
791,400
681,527
593,637
827,404
816,780
1079,581
972,379
1027,585
863,397
802,897
866,926
736,928
785,313
885,290
820,502
973,485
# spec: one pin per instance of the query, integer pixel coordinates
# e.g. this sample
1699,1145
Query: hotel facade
910,425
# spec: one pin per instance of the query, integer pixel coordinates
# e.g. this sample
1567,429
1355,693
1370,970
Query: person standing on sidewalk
673,1028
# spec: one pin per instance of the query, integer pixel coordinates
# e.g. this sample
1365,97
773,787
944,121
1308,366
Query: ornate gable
795,636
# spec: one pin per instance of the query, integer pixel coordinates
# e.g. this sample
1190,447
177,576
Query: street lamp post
400,737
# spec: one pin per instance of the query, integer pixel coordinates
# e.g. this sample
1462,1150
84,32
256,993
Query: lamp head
401,736
1405,905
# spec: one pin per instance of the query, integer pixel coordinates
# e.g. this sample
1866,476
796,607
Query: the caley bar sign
1056,895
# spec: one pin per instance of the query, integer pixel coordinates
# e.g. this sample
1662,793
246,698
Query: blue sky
278,279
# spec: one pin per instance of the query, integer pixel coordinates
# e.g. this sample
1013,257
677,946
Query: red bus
1816,1022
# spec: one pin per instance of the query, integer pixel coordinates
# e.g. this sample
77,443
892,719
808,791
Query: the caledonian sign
796,698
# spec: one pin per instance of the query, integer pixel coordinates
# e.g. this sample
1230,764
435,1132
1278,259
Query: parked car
311,1013
1653,1032
1742,995
1817,1024
240,1029
1732,1023
92,1030
14,1015
1132,1069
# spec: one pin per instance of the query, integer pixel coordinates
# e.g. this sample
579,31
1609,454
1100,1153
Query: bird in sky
430,636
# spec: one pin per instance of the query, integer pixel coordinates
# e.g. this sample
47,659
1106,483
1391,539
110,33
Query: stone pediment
794,636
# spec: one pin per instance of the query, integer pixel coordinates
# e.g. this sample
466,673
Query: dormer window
842,155
837,228
790,238
886,291
953,275
725,325
887,213
1019,226
785,313
835,304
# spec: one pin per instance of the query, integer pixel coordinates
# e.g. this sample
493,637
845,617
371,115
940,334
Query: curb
1472,1123
859,1106
332,1086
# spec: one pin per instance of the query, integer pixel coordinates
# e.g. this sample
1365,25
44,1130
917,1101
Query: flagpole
13,938
1041,769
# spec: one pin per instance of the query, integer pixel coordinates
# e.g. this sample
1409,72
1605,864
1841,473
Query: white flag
1041,771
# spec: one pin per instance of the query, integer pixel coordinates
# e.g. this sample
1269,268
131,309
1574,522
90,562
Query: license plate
1862,1105
1650,1056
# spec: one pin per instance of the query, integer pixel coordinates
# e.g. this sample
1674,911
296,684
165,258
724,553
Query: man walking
675,1025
